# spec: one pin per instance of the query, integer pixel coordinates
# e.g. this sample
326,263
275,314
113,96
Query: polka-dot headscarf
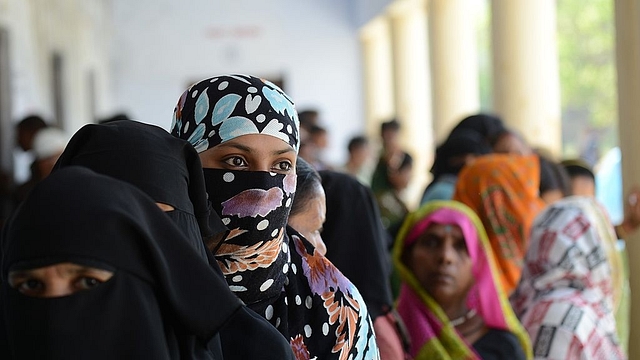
221,108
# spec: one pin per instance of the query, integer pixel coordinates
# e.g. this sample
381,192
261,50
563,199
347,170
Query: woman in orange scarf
502,189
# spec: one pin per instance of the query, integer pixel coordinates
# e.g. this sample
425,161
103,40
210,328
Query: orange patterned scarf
503,190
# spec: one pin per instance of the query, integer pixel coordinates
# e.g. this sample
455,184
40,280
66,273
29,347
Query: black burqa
169,170
157,305
164,167
356,240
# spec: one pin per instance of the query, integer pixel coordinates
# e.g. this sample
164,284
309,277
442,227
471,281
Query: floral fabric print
272,268
219,109
278,274
255,207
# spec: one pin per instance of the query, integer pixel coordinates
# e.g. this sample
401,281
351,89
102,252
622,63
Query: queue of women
215,241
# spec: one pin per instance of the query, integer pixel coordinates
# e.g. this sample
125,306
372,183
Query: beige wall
78,30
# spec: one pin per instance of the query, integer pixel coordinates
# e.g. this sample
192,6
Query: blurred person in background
583,183
462,147
359,163
46,146
555,183
392,207
391,155
309,207
571,283
319,138
451,299
353,231
503,190
26,129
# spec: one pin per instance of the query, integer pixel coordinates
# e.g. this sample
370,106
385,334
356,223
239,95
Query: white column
627,17
377,59
526,86
454,63
413,101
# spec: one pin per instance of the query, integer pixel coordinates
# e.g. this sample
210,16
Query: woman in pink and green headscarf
450,299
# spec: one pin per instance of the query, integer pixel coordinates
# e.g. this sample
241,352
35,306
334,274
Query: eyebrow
82,270
74,271
18,274
249,150
237,146
283,151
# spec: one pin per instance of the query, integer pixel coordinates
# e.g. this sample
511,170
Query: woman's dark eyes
284,166
428,242
461,245
88,282
236,161
31,285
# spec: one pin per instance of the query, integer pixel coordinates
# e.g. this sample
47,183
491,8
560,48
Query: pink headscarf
430,330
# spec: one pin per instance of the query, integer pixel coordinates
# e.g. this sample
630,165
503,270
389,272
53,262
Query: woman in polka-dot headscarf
247,133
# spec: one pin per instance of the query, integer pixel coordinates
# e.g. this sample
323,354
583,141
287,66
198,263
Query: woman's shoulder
499,344
331,300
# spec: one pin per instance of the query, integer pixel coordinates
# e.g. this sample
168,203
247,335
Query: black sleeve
499,345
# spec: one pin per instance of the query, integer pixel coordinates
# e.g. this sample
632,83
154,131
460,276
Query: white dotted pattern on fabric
262,224
228,177
325,329
266,285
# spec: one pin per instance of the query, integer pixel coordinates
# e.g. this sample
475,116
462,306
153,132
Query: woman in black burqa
157,303
146,156
169,170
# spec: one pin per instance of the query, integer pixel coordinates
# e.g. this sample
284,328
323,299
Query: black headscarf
164,167
352,230
489,126
460,143
157,305
168,169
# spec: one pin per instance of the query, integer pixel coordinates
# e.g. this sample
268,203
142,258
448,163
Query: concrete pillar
526,86
412,96
375,39
627,17
454,63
